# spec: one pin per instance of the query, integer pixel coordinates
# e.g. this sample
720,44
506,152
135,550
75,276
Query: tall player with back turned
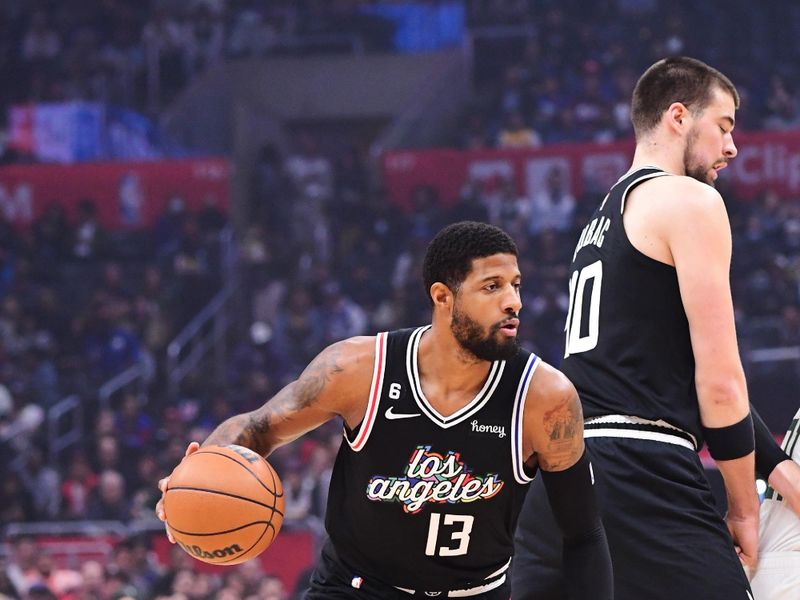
444,426
651,348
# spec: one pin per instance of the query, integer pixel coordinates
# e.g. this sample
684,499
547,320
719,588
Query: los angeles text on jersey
433,477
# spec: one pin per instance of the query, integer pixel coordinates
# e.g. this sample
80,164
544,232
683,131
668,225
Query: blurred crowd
324,254
559,71
106,50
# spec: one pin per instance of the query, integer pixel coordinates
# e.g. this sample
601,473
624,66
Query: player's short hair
449,256
676,79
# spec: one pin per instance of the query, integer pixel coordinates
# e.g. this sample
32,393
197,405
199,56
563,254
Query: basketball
224,504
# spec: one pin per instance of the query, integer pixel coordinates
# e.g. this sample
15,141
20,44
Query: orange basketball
224,504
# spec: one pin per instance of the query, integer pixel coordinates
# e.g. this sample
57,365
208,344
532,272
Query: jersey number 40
576,342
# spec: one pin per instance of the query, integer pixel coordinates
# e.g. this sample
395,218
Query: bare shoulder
681,196
553,419
549,386
340,377
345,364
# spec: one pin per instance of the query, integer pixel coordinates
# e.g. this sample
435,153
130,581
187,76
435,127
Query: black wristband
768,453
731,442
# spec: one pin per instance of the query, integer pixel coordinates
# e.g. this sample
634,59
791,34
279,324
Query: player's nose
730,149
512,302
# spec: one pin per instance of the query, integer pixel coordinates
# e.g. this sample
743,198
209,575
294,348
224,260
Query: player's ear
441,295
676,116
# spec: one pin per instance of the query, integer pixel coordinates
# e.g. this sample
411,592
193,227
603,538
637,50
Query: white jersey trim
636,434
517,459
635,182
374,399
464,413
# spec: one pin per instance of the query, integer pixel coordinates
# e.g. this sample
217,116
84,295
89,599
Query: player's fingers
169,535
162,484
192,448
160,510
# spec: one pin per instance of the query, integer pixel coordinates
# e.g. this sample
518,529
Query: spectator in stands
134,427
311,175
16,501
93,581
340,316
168,227
507,208
517,134
107,501
21,565
77,486
41,42
50,234
553,206
205,40
298,328
43,483
110,346
88,237
57,579
164,43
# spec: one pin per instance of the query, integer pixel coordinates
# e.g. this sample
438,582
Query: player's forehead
494,266
721,105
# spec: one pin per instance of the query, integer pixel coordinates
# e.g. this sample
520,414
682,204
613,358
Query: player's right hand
162,485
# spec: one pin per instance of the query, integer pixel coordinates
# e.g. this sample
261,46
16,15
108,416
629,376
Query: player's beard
692,166
469,335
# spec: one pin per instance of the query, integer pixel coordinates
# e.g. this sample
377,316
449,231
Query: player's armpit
335,383
553,420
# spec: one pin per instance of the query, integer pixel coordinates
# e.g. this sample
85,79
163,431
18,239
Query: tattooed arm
335,383
553,423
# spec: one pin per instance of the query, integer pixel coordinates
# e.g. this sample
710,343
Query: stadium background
197,196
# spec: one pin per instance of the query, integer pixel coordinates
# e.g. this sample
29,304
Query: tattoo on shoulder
317,375
562,426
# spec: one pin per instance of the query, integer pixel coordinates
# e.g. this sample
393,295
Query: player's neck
447,373
655,152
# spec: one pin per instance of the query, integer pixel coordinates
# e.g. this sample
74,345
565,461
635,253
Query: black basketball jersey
628,349
423,501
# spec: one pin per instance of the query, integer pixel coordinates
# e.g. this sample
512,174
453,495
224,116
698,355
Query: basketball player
651,348
444,427
777,575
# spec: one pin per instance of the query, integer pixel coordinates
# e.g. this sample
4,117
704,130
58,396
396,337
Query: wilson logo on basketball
218,553
432,477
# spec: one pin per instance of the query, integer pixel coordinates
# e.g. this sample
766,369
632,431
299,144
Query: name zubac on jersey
593,233
433,477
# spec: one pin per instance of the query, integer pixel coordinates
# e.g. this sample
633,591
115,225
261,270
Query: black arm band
731,442
572,498
587,570
768,453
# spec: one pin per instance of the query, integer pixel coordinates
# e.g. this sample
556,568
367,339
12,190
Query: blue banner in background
68,132
130,136
424,27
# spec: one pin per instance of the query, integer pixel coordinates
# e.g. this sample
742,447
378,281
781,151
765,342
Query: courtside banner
128,195
767,160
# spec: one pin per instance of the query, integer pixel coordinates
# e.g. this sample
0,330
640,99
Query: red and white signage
128,195
766,160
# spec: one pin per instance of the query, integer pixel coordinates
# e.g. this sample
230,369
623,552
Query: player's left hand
744,531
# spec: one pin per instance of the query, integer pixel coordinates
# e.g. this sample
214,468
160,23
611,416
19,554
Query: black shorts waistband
627,426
